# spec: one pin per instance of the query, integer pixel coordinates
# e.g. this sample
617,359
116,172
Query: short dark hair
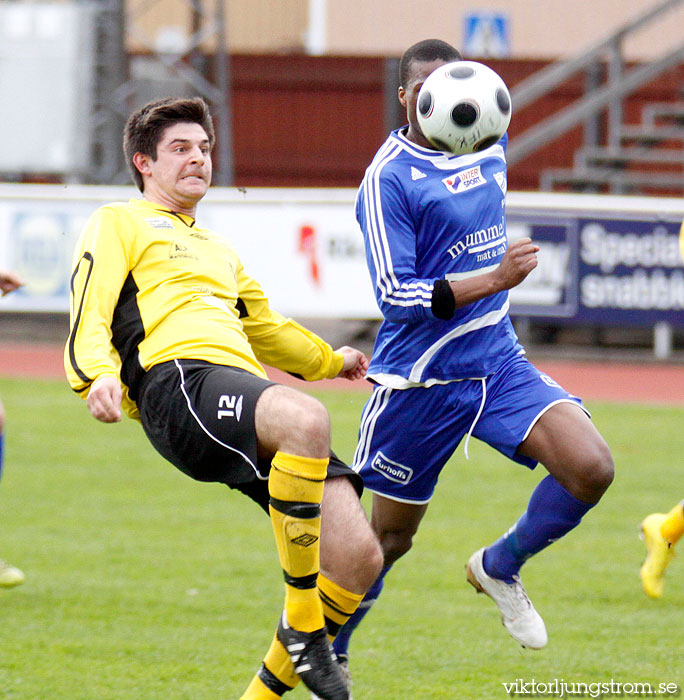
426,50
144,128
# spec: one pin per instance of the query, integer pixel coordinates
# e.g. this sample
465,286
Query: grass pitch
144,585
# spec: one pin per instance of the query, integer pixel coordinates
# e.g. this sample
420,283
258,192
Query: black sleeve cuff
443,302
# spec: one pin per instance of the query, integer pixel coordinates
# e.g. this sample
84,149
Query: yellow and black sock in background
339,604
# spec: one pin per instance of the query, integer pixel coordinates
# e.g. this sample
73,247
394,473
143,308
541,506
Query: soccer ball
463,107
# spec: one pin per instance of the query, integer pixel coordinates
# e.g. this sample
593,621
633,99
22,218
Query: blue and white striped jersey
426,216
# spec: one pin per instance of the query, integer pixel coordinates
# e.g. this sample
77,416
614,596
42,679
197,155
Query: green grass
144,585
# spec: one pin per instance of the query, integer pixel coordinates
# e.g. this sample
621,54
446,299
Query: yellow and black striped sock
338,604
276,675
673,525
295,487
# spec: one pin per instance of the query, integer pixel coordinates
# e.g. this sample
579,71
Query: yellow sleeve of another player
100,268
281,342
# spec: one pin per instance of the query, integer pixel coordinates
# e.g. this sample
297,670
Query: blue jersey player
447,363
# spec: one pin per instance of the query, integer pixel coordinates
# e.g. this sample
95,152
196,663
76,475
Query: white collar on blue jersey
444,160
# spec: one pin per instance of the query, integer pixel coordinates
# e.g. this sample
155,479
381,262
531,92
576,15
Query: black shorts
200,417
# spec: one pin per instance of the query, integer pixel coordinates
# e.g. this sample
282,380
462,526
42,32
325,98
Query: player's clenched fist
9,281
355,363
518,261
104,399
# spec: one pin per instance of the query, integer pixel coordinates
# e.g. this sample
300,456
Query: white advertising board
305,248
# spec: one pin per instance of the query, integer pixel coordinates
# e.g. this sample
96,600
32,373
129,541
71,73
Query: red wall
304,121
317,121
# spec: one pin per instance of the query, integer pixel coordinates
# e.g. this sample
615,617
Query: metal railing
116,90
597,98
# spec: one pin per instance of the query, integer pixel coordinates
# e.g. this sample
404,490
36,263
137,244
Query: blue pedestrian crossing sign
487,34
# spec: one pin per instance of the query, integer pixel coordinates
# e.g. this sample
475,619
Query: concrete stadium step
628,155
648,135
594,179
659,112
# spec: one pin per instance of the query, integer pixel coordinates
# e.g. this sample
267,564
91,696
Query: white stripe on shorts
375,406
207,431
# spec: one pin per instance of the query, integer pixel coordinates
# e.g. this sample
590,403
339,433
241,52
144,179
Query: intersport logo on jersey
464,180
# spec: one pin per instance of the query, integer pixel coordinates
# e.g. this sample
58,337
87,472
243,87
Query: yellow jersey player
167,325
661,531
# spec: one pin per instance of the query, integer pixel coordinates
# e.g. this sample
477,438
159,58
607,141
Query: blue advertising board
602,269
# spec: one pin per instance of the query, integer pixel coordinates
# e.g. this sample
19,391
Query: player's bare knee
604,470
312,424
367,564
595,473
375,560
395,544
290,421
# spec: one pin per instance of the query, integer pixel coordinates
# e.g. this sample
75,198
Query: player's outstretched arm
104,399
9,282
355,363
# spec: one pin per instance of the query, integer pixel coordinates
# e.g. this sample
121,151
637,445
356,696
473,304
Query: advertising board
602,260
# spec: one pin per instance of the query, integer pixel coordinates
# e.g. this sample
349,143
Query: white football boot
518,615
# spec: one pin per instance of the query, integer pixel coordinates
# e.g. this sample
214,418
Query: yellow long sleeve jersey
149,286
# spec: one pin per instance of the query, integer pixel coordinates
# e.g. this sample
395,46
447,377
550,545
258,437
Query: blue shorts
408,435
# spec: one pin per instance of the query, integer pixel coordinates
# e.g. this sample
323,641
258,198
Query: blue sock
341,642
2,451
551,513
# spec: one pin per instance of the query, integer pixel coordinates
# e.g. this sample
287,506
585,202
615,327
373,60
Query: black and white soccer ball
463,107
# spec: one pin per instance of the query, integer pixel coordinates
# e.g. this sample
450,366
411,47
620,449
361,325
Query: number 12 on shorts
229,406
